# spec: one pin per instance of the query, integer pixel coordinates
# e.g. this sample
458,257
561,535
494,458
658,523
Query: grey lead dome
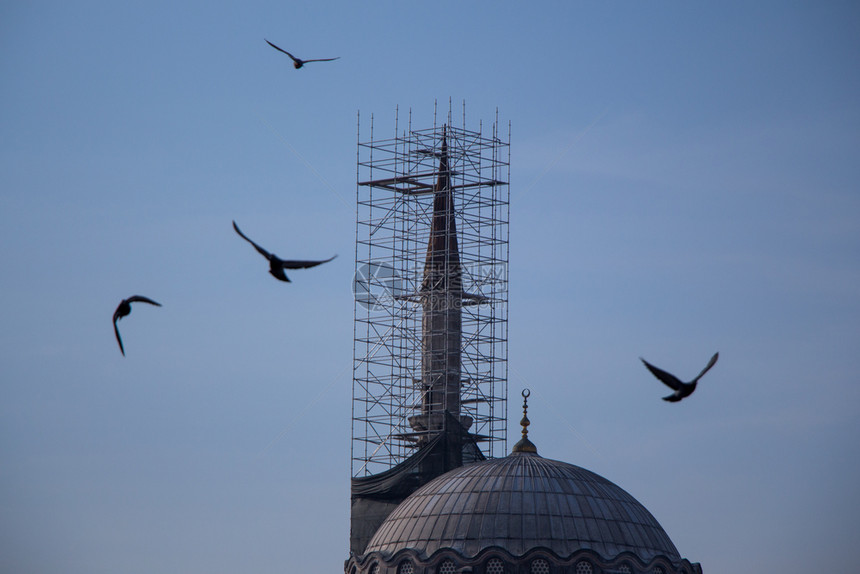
518,503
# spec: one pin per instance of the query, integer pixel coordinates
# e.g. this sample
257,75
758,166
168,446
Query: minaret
441,297
429,381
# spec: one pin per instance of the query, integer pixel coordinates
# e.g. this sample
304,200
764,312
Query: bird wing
262,251
708,366
321,60
118,338
303,264
284,51
142,299
668,379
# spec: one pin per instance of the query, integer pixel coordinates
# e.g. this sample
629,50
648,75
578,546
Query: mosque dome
521,514
518,503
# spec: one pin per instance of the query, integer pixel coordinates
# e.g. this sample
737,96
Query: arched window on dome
657,570
495,566
583,567
624,569
447,567
539,566
405,567
374,569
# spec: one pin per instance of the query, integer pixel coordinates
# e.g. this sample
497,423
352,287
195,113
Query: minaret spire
442,264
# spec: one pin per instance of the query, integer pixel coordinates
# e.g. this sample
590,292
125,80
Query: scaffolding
398,181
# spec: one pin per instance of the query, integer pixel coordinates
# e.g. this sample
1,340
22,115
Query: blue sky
685,179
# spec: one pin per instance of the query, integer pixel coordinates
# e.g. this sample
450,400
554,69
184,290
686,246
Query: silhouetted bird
297,62
681,389
124,309
276,264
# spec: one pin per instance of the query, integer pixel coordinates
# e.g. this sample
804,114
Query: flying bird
681,389
297,63
276,264
124,309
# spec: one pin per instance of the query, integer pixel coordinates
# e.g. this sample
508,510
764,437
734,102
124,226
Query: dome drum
497,560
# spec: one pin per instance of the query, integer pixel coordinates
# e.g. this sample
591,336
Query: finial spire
524,444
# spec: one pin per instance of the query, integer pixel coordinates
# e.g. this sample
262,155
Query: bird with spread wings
276,264
297,62
123,310
681,388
